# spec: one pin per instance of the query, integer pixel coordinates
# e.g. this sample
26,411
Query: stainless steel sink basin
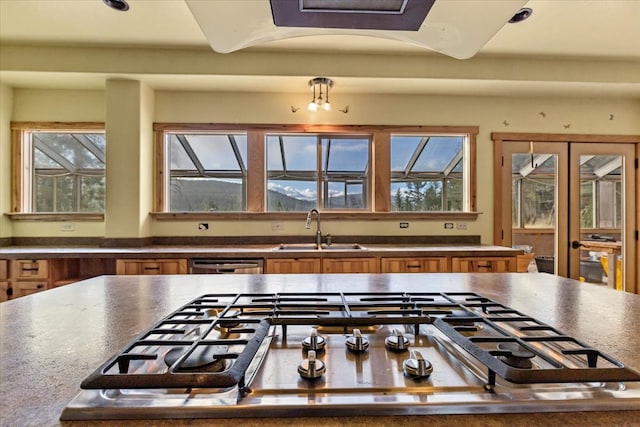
323,247
344,247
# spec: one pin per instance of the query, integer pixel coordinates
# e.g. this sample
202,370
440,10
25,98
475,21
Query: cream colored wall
491,114
6,106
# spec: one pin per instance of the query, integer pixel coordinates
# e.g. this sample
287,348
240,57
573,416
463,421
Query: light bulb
327,106
312,106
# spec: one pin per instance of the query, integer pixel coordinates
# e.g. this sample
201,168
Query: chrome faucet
308,225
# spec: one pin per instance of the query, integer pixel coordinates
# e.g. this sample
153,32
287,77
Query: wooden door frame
501,138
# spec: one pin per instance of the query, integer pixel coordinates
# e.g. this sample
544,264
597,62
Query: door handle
575,244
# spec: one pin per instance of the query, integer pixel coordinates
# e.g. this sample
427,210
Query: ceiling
564,31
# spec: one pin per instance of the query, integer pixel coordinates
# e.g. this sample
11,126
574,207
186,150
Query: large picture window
280,171
428,173
63,170
310,171
208,172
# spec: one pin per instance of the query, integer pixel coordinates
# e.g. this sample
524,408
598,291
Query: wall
491,114
6,107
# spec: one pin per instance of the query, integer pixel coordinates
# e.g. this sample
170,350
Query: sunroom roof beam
453,163
538,161
89,145
192,154
236,152
416,154
609,167
53,155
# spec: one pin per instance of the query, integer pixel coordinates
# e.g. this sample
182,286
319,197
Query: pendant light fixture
320,88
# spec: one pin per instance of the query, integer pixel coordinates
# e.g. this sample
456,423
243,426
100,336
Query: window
428,172
307,171
269,172
208,172
600,191
63,170
533,191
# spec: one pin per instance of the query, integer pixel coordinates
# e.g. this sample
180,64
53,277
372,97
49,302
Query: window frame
22,169
380,176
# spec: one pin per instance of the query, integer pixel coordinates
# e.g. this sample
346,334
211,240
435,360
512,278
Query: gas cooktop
296,354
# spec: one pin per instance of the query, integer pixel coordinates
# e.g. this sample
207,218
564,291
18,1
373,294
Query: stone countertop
253,251
52,340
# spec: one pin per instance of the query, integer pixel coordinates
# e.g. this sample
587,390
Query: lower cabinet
350,265
292,265
5,290
321,265
483,264
151,266
414,265
27,287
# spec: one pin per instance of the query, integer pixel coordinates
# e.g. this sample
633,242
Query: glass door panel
534,176
602,216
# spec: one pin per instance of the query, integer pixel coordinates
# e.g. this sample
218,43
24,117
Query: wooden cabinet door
483,264
4,269
350,265
27,287
292,265
414,265
4,291
151,266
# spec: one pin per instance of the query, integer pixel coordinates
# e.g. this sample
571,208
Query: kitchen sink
323,247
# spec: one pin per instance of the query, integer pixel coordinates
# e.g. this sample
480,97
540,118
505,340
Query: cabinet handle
413,266
152,268
30,269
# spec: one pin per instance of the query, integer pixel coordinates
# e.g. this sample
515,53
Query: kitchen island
52,340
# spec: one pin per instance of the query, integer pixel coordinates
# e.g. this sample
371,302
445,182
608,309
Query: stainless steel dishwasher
225,266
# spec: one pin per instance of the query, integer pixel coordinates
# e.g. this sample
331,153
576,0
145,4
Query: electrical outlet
203,226
277,226
404,225
67,226
448,226
461,225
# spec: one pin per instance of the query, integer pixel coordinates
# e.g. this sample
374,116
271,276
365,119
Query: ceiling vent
406,15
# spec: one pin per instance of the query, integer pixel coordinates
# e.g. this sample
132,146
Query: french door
572,204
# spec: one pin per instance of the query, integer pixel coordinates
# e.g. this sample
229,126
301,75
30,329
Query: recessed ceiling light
120,5
521,15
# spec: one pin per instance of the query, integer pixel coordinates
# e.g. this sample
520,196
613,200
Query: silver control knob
357,342
397,341
311,368
416,366
313,341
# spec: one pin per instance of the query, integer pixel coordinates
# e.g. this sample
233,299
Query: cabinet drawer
350,265
151,266
292,265
483,265
29,269
414,265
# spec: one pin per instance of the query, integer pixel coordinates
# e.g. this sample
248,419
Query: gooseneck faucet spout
308,225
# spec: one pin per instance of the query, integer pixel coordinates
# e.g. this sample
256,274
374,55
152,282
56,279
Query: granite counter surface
51,341
249,251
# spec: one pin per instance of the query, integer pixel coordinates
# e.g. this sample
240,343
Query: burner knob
416,366
397,341
313,341
356,342
311,368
